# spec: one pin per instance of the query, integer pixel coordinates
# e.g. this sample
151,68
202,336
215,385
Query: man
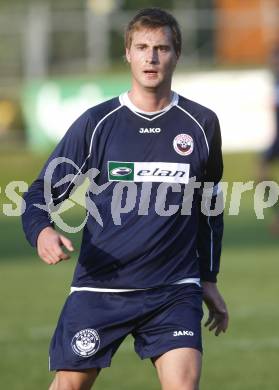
139,272
272,153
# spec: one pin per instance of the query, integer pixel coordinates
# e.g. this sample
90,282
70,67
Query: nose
152,56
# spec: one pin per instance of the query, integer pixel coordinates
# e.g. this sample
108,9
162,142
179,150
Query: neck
150,101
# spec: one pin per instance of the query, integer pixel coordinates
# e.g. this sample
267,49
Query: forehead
152,36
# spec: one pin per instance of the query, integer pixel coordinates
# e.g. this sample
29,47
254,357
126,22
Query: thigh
179,369
74,380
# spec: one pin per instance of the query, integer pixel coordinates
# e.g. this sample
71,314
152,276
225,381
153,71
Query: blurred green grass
246,358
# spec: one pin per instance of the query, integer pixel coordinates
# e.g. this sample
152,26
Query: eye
140,47
164,48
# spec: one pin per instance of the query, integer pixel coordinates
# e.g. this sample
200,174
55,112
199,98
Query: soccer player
272,153
149,255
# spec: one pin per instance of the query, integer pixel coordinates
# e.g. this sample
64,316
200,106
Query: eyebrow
156,46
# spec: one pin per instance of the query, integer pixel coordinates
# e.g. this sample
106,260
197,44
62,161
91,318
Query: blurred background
59,57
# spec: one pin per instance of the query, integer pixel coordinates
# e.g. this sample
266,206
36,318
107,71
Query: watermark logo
140,188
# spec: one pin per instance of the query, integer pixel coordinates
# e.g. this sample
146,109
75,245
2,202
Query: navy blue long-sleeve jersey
148,160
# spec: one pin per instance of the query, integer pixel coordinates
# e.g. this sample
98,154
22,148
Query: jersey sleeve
57,178
210,233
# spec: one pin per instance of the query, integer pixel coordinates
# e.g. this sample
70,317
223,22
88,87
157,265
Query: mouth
150,72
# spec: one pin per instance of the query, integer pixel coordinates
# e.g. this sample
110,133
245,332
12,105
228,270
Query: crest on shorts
183,144
86,342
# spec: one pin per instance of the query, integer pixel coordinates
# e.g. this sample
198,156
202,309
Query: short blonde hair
154,18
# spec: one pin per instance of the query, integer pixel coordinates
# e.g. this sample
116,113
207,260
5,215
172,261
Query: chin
151,84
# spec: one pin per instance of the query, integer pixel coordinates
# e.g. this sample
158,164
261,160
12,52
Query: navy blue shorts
92,325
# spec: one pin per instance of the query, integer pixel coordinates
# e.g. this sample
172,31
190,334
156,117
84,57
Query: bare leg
74,380
179,369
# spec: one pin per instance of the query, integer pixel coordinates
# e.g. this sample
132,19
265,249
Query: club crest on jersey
86,342
183,144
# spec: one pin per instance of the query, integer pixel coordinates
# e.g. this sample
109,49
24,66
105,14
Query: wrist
44,231
209,286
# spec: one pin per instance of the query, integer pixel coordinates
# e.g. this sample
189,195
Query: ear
128,57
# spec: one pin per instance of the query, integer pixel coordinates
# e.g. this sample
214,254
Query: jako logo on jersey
148,172
149,130
121,171
183,333
183,144
86,342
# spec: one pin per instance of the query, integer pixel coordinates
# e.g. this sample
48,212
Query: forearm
34,218
209,246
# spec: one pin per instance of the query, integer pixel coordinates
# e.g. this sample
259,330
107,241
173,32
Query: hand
49,245
218,317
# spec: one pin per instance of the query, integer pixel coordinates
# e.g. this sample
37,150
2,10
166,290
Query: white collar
125,100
